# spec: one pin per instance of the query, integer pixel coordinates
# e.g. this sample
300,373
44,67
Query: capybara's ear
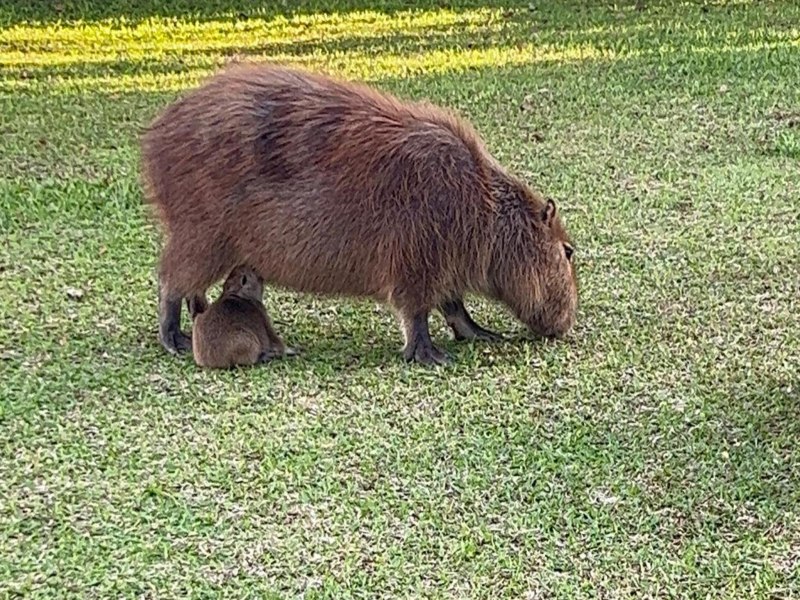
549,211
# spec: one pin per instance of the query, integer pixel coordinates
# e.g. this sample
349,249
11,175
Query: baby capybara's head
533,272
244,282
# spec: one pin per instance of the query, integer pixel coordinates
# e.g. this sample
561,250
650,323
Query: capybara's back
332,187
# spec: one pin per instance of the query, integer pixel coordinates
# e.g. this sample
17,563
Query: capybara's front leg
460,321
169,322
419,347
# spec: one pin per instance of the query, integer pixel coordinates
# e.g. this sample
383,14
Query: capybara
236,329
332,187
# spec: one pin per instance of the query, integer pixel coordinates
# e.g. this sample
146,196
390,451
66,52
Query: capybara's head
533,267
245,283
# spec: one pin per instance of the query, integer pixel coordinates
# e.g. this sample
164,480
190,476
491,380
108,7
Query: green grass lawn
652,454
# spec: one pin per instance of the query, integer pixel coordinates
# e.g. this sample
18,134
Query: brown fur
236,329
332,187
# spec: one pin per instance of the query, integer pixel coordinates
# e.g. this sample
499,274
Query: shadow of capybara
332,187
236,329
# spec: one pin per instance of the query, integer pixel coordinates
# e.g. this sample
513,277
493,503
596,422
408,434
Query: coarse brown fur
236,329
332,187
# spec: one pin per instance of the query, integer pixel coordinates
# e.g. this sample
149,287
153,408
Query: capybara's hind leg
196,304
419,347
169,321
460,321
186,270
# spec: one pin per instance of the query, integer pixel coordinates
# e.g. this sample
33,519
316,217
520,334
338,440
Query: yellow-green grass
652,454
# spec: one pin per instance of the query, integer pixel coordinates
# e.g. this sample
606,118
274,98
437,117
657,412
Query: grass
654,454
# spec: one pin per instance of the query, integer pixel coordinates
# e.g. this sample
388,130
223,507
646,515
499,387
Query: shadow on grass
332,354
360,339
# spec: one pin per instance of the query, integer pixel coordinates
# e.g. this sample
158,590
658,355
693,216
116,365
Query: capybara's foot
274,353
419,348
169,322
175,341
477,333
462,324
426,354
265,357
277,352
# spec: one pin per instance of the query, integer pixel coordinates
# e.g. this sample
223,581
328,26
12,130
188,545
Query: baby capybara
332,187
236,329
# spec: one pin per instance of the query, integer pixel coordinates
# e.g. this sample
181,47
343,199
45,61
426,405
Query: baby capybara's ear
549,212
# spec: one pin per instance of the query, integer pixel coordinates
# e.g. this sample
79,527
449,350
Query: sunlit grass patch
29,46
56,44
181,74
159,53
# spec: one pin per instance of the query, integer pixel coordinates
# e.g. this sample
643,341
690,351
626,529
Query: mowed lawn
654,453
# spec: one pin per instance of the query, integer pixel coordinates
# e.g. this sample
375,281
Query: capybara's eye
568,250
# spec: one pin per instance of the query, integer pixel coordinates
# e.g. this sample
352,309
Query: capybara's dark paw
176,342
275,353
426,354
265,357
485,335
480,334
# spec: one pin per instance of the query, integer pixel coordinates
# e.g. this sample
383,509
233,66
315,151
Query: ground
654,453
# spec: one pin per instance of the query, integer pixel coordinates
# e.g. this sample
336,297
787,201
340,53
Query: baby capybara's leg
460,321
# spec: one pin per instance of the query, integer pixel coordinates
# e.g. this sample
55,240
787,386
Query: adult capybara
332,187
236,329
